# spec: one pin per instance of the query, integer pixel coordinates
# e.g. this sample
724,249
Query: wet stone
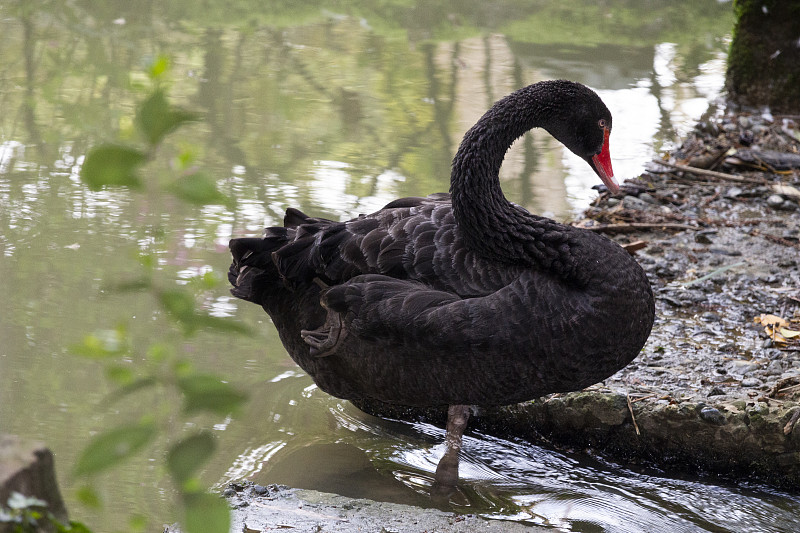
775,201
647,197
631,202
733,192
702,238
741,368
709,316
710,414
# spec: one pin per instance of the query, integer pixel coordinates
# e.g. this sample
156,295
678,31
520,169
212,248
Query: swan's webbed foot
324,341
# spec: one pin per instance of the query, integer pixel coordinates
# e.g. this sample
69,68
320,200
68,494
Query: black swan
458,299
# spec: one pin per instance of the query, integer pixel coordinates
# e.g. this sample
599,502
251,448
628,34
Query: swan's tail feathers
312,254
252,269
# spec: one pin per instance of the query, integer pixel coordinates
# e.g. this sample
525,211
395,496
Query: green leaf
88,497
156,118
130,388
101,345
122,375
185,457
111,447
199,188
205,513
74,527
159,67
179,304
137,523
112,164
205,392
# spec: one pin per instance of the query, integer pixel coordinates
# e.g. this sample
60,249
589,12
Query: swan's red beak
601,163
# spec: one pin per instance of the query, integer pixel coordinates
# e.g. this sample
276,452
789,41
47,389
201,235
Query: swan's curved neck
490,224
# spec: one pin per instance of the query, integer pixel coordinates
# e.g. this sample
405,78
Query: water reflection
335,114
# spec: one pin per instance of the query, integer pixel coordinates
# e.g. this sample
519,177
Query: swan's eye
601,123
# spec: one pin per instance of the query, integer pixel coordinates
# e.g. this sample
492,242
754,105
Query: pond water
335,110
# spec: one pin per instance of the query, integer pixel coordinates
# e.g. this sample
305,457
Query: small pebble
631,202
788,205
744,122
701,238
260,489
733,192
751,382
710,414
612,202
775,201
716,391
647,197
229,492
708,316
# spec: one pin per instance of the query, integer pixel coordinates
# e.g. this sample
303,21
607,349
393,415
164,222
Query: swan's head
582,122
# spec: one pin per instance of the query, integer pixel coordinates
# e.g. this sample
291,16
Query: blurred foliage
113,165
23,514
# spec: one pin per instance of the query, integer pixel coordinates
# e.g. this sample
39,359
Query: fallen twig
716,272
782,384
630,408
710,173
787,429
775,238
634,226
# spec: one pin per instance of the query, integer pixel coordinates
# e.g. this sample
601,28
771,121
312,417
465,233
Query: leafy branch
161,367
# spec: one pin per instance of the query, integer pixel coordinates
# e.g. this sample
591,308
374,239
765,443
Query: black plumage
462,298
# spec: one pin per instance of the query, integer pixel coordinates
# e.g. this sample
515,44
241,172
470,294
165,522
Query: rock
733,192
308,511
741,367
744,122
788,205
647,197
631,202
710,414
751,382
28,468
775,201
611,202
702,238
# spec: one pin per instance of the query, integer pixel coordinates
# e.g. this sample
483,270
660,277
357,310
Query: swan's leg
446,476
